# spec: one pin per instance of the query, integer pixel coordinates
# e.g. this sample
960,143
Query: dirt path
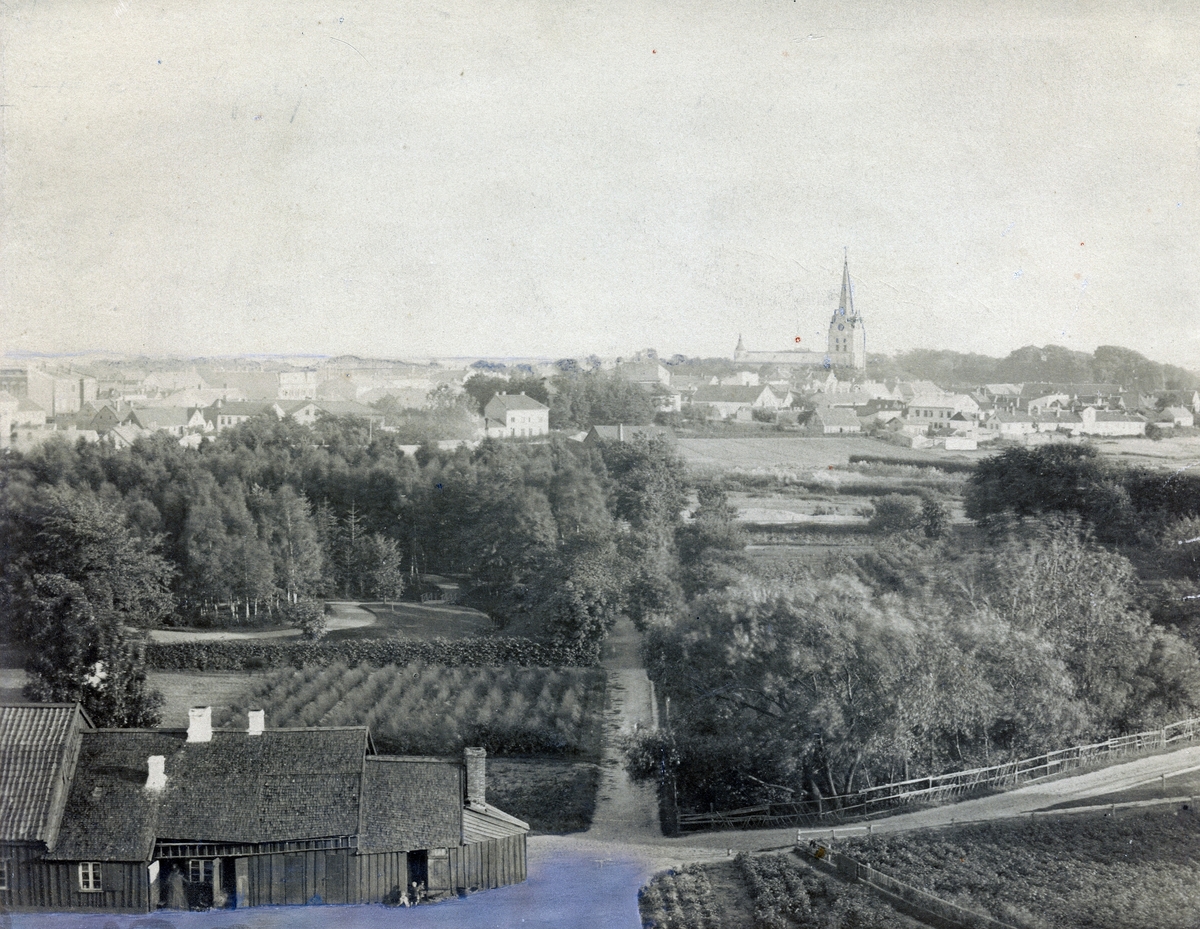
1013,803
625,812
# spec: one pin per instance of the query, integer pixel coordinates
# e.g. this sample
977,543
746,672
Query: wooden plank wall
54,885
330,875
484,865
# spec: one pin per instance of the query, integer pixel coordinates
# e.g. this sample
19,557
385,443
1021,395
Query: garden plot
1131,871
435,710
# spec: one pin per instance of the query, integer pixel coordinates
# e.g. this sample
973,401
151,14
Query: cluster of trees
913,660
1109,364
271,515
577,399
1121,504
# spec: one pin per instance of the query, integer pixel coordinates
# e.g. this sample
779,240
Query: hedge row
247,655
949,466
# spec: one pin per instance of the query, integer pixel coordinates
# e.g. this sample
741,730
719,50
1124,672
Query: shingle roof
411,803
514,402
285,784
34,750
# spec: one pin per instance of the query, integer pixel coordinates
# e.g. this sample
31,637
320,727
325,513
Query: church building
847,345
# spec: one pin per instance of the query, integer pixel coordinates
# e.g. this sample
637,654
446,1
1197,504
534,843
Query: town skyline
527,181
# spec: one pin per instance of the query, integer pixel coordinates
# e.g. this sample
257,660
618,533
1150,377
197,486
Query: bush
308,616
896,513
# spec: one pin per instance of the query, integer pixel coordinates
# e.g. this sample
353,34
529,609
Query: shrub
239,655
308,616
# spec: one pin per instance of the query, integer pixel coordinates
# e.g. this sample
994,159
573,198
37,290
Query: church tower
847,336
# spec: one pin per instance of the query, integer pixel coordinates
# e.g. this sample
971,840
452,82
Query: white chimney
476,764
200,724
258,722
157,779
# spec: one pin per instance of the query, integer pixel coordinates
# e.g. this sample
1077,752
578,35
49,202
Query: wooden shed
150,818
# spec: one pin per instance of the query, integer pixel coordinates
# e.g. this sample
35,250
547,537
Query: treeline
1108,364
273,514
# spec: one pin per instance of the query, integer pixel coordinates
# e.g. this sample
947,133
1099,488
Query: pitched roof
35,753
285,784
161,416
411,803
722,394
506,402
837,416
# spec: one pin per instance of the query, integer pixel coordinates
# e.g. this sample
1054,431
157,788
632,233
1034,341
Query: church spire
846,304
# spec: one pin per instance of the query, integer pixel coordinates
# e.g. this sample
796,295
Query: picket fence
874,800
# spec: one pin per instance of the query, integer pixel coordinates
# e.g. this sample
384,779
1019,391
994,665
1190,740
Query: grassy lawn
552,795
800,453
402,620
1131,871
183,689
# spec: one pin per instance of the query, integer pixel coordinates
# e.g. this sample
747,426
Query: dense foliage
254,654
75,578
423,709
912,659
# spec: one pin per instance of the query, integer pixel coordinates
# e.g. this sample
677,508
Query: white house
512,416
1110,423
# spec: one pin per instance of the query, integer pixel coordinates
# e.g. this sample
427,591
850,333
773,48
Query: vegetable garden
1133,871
427,709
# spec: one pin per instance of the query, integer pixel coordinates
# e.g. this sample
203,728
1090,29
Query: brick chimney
200,724
476,760
157,778
258,722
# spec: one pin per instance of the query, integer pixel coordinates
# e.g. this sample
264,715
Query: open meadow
801,453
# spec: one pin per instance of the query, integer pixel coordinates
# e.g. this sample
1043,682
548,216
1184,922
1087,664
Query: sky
550,178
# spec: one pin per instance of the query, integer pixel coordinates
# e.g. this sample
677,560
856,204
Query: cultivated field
801,454
435,710
764,892
222,690
1132,871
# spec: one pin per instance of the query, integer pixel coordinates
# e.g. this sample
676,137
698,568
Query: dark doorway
418,869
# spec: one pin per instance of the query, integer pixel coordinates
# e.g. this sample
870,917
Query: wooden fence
874,800
925,906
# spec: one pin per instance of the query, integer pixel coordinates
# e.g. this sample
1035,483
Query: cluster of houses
133,820
24,424
915,413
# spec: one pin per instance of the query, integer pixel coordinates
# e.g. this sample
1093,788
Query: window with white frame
89,876
200,870
4,874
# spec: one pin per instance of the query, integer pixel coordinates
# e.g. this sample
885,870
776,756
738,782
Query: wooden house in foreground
132,820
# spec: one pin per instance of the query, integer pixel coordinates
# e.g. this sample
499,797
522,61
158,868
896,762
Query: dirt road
625,811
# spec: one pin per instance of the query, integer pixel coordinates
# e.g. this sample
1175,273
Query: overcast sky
558,178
